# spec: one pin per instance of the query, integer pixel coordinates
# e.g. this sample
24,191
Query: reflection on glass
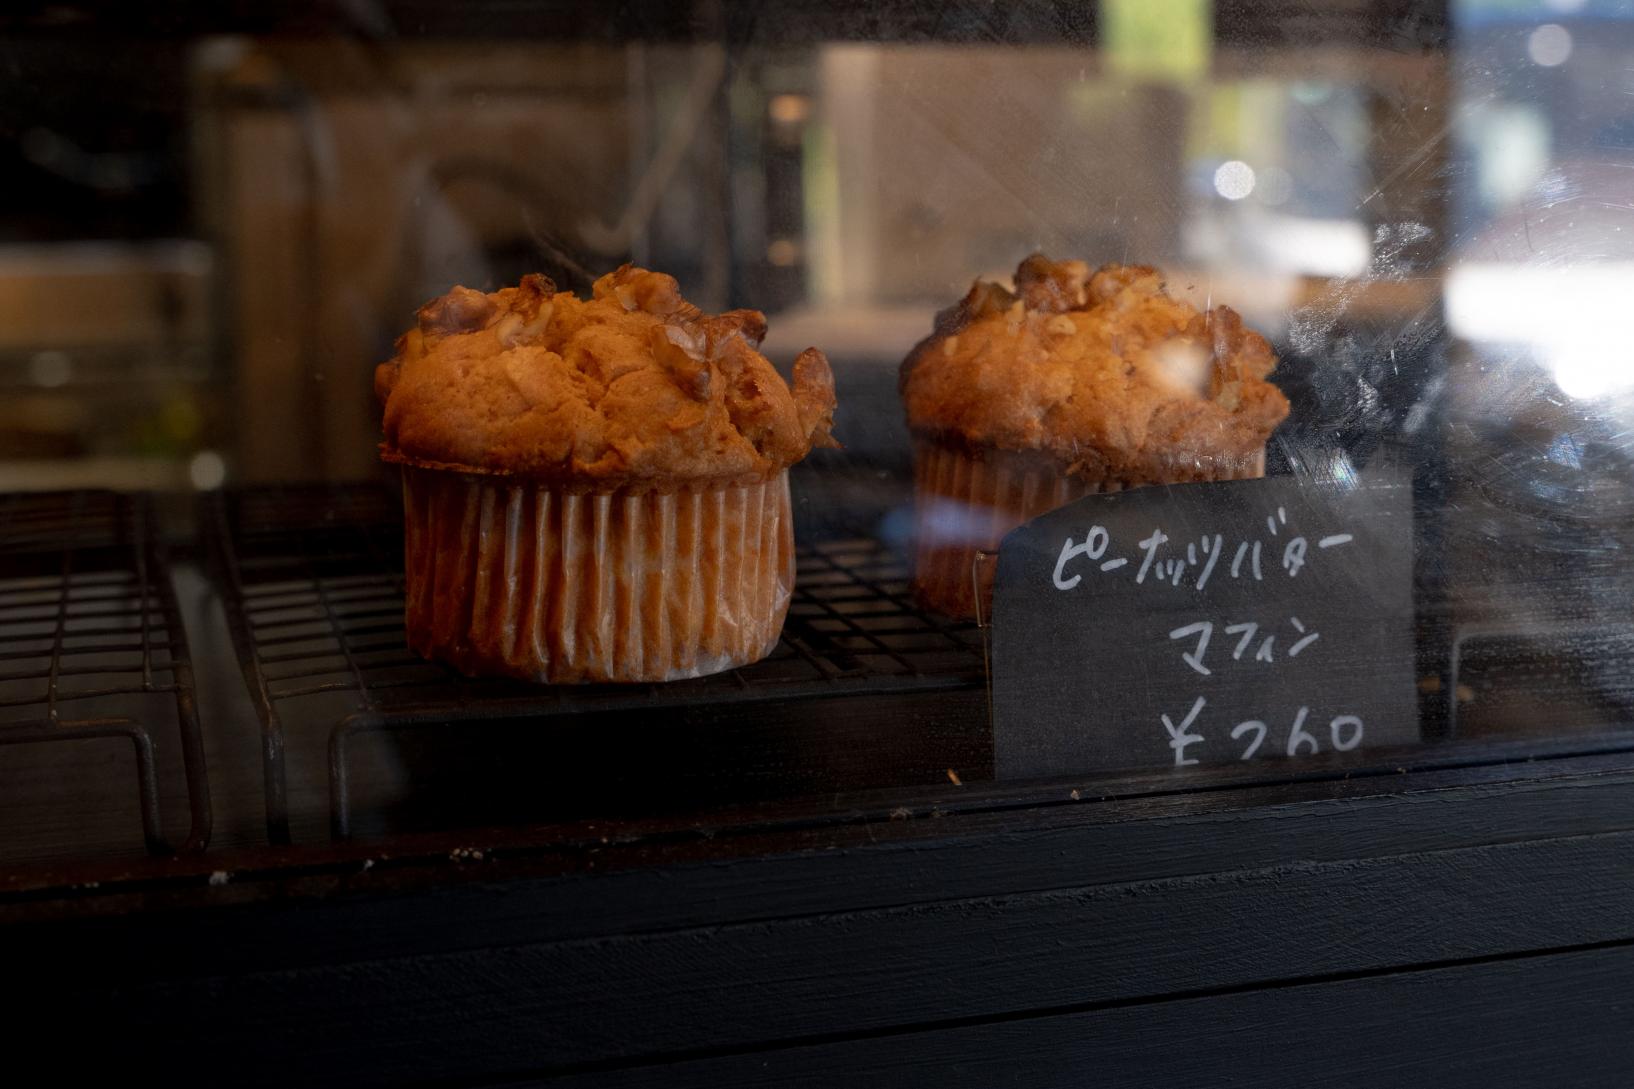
1438,238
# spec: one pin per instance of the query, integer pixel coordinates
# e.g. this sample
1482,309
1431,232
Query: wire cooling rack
313,581
90,633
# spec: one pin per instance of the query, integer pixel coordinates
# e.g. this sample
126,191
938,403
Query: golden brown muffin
632,386
596,490
1073,383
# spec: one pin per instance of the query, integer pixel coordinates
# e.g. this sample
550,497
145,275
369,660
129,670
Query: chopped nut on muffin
632,385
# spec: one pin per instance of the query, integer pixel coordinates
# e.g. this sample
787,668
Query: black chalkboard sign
1204,624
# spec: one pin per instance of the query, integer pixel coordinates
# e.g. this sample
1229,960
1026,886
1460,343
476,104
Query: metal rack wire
90,631
313,580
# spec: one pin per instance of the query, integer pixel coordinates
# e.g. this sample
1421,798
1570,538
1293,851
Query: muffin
1074,383
596,490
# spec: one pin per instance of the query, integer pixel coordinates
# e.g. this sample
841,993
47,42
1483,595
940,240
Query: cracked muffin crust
631,387
1103,372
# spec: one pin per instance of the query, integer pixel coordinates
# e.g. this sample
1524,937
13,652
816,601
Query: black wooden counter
1466,924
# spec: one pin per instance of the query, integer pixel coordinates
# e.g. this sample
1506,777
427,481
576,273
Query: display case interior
222,223
857,543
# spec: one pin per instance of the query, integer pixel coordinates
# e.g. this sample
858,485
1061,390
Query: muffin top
634,386
1103,372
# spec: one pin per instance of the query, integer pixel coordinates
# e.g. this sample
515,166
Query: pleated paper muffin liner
543,583
966,501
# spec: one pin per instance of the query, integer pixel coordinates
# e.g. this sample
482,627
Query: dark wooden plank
639,887
550,1005
1553,1020
421,860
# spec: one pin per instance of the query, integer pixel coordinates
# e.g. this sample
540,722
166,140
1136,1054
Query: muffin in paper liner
596,490
967,500
547,583
1078,381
